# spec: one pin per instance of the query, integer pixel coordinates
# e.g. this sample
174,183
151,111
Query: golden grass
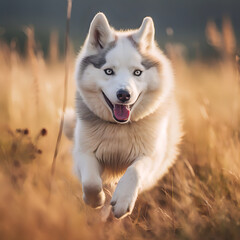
198,199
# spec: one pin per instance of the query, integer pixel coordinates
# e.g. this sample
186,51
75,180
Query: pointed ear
144,36
100,32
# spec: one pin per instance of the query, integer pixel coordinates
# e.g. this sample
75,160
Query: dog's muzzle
121,112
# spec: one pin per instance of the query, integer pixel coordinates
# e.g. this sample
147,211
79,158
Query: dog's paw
123,203
93,196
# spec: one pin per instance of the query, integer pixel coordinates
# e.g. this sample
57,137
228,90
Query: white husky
127,121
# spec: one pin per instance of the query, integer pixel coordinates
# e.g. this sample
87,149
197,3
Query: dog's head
122,76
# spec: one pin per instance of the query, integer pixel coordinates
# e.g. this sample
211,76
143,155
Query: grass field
198,199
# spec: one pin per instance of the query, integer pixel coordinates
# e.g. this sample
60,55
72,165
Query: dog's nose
123,95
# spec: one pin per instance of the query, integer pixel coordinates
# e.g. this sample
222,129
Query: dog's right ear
144,36
100,33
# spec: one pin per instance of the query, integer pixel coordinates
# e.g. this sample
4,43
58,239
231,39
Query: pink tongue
121,112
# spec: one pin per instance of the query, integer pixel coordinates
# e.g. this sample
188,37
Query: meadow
198,199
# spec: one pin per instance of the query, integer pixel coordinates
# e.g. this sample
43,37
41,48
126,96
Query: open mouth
121,112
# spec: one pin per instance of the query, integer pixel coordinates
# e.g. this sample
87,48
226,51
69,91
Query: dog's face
120,74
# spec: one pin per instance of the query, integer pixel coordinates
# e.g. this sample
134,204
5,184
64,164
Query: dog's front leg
127,189
89,171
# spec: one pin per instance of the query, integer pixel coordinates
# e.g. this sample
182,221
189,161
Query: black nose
123,95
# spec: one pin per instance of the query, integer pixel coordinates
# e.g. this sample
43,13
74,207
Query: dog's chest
117,146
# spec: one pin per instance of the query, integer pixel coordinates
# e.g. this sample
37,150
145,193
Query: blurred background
176,21
200,196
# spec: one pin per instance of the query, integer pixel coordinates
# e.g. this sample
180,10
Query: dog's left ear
100,32
144,36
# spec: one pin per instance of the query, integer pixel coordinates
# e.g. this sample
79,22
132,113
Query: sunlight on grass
198,199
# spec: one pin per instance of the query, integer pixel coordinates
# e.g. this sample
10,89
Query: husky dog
127,122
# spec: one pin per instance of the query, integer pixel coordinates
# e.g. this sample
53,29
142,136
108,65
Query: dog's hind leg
106,209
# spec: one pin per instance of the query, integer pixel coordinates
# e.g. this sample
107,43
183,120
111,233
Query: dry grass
198,199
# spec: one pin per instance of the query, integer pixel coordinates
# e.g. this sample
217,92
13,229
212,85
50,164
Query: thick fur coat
127,122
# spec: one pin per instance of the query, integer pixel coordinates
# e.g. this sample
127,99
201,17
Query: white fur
140,151
69,122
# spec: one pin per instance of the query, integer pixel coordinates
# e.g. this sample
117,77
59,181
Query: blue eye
137,72
109,71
